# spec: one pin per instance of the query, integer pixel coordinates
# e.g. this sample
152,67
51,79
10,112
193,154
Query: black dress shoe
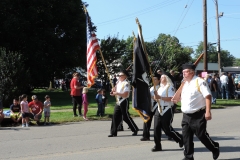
135,133
120,129
170,138
188,158
145,139
180,143
112,135
216,152
155,149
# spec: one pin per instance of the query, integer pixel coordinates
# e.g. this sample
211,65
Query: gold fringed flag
141,99
92,47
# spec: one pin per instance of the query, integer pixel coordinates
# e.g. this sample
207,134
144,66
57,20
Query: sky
180,18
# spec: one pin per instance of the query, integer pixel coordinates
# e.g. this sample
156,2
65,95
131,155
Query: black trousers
147,126
77,101
121,112
195,124
164,123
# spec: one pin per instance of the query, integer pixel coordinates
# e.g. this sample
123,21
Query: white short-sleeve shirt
122,87
193,95
224,79
152,92
166,91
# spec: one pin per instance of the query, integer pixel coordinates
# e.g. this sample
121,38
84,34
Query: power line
182,27
141,12
183,19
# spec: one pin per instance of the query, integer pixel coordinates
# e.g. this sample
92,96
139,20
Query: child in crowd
99,102
105,100
46,110
15,109
85,102
24,110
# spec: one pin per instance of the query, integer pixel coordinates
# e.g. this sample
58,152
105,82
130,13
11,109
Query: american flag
92,47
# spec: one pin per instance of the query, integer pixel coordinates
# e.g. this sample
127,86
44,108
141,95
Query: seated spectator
1,112
36,108
15,109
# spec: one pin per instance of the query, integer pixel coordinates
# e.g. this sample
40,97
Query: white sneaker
23,125
27,125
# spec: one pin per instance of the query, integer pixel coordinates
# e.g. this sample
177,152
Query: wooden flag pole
85,10
150,70
107,72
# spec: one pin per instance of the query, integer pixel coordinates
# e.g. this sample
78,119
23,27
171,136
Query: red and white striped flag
92,47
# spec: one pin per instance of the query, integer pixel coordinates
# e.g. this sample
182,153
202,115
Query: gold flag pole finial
84,8
137,21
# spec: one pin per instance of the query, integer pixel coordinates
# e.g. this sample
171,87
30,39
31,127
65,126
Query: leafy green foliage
50,34
212,55
112,49
14,78
237,62
168,53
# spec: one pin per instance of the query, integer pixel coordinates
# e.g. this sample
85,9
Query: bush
14,78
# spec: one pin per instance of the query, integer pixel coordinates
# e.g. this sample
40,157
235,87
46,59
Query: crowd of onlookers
21,112
224,86
62,84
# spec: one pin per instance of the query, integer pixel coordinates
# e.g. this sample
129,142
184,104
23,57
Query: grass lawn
62,106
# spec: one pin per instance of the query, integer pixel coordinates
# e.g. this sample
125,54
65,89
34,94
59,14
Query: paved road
88,140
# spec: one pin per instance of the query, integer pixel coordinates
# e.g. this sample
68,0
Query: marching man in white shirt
121,90
195,97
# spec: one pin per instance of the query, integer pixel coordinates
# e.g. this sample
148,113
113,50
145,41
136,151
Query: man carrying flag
121,90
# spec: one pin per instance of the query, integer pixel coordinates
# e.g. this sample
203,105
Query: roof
230,69
211,66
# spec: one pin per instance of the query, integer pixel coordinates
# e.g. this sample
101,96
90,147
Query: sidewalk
70,110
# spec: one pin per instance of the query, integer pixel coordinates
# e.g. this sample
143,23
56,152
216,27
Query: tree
168,53
14,78
112,49
226,58
51,36
236,62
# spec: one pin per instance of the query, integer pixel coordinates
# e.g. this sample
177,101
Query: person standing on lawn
105,100
24,110
76,93
99,101
36,108
85,102
46,110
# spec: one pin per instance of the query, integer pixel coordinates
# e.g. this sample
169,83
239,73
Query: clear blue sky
180,18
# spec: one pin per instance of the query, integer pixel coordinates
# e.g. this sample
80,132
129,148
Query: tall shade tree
237,62
50,36
226,58
168,53
112,49
14,78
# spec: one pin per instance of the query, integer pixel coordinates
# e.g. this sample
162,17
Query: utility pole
218,40
205,35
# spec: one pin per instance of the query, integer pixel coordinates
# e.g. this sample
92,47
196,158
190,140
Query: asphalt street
89,140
